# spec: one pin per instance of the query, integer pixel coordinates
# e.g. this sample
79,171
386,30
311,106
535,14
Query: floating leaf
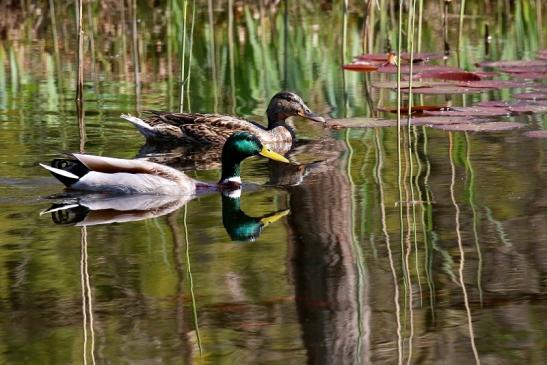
516,63
405,69
491,84
392,84
378,57
536,134
527,69
481,127
494,103
431,121
472,111
449,89
416,109
531,96
529,75
360,123
423,57
453,75
528,108
360,66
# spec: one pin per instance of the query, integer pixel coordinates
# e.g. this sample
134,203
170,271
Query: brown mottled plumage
212,129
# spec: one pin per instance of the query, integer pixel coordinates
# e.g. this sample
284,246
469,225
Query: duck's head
238,147
287,104
238,224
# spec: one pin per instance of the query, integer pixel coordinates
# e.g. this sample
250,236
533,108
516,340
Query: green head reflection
240,226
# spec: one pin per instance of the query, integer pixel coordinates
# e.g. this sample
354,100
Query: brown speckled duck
212,129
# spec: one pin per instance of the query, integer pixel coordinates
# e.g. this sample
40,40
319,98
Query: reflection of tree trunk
322,264
177,258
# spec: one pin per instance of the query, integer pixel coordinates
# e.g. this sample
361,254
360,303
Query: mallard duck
107,174
214,129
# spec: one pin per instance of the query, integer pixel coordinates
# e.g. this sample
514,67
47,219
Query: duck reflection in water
96,209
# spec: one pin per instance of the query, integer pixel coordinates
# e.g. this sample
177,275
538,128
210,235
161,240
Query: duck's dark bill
313,116
272,155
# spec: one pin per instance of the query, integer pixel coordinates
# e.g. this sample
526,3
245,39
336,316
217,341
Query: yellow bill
266,152
271,218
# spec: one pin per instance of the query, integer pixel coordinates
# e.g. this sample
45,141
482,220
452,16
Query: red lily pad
536,134
542,54
528,108
392,84
529,75
360,123
524,69
515,63
423,57
472,111
491,84
531,96
435,120
361,66
416,109
405,69
494,103
454,75
378,57
450,89
481,127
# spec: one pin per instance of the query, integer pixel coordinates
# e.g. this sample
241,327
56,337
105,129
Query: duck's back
210,128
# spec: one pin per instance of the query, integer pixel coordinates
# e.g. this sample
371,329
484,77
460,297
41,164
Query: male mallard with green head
214,129
115,175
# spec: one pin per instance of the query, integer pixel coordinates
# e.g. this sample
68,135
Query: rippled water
454,273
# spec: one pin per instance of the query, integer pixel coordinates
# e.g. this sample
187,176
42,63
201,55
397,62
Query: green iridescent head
238,147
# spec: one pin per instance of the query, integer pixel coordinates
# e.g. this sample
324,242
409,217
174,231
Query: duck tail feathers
66,171
141,125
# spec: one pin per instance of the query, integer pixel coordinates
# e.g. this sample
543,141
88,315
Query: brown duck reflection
321,261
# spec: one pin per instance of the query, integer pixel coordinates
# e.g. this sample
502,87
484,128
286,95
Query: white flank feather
60,172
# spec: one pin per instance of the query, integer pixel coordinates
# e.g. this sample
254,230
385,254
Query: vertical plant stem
190,52
231,52
80,34
182,55
420,20
212,53
136,56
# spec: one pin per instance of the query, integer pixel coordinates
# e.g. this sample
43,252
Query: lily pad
378,57
452,75
515,63
528,108
360,123
524,69
529,75
531,96
472,111
481,127
423,57
404,84
494,103
435,120
361,66
492,84
416,109
536,134
449,89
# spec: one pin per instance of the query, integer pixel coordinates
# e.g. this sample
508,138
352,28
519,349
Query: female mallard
216,128
107,174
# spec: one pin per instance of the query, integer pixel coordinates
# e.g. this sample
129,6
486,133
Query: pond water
447,264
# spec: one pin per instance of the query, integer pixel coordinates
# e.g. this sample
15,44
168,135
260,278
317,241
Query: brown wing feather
206,128
112,165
